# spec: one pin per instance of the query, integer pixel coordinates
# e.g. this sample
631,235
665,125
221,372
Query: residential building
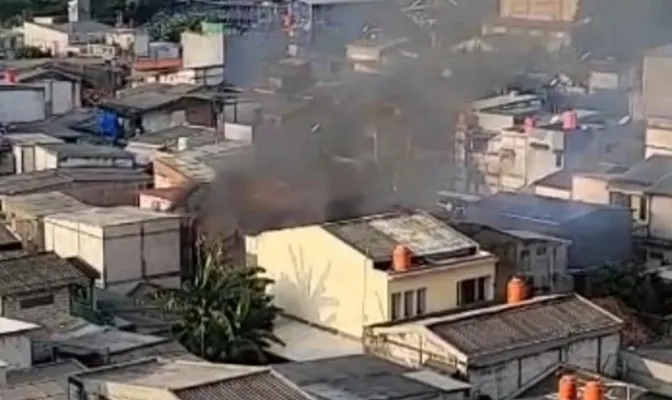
155,107
57,155
657,64
63,90
25,213
539,10
125,245
95,186
96,346
540,258
548,384
644,190
43,381
174,139
15,346
648,366
552,35
343,275
63,39
44,288
599,234
368,377
498,349
163,379
198,165
560,184
23,148
32,99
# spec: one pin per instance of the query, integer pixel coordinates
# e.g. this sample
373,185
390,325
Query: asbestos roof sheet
36,272
502,328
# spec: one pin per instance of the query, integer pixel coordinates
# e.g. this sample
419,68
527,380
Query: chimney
570,120
401,258
567,388
592,390
529,125
516,291
3,373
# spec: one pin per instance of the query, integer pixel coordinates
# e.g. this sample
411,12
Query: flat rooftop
110,216
42,204
27,139
420,232
110,340
85,150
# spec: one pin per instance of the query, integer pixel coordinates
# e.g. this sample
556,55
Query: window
395,306
408,303
541,250
619,199
421,301
472,290
558,159
37,301
643,213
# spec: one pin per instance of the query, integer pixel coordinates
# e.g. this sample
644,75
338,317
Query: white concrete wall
590,189
45,38
202,50
124,253
15,350
552,192
151,202
648,373
658,141
22,105
660,225
44,159
161,120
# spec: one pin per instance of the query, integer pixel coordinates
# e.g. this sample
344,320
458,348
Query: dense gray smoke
324,164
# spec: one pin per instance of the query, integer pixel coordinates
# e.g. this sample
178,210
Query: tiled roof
501,328
262,385
35,272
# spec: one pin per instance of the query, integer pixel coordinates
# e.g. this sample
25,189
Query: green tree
224,314
638,288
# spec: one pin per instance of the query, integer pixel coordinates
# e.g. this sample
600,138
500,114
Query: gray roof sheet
422,233
497,329
355,377
36,272
85,150
43,382
650,174
260,385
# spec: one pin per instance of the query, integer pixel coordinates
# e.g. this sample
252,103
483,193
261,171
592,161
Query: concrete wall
32,109
542,10
45,38
202,50
500,380
59,309
590,189
320,279
163,119
552,192
123,253
658,140
16,351
647,372
660,225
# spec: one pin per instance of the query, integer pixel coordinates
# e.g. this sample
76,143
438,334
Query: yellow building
341,275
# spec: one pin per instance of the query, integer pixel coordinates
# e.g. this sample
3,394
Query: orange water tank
516,291
401,258
529,125
592,390
567,388
570,120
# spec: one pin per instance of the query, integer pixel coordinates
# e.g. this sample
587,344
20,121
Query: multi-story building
348,274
